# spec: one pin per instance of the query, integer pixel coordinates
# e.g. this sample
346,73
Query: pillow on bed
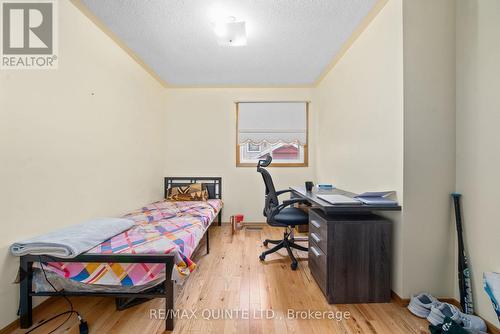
192,192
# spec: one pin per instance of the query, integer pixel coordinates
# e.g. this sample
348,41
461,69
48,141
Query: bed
139,264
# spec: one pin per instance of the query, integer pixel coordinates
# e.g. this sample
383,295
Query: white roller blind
272,122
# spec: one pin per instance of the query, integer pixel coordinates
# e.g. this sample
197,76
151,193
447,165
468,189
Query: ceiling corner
377,8
94,19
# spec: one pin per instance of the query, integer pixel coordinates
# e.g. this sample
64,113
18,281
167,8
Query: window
278,129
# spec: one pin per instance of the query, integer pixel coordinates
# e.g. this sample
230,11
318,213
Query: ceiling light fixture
230,32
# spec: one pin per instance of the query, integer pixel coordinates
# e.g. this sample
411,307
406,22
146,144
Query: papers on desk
369,198
376,194
377,198
339,200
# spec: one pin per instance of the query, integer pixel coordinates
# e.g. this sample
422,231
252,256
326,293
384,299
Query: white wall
201,140
82,141
95,137
429,145
360,117
478,138
387,121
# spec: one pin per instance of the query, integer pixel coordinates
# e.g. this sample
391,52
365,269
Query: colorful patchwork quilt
161,228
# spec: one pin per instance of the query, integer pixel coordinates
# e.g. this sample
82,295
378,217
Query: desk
327,208
349,249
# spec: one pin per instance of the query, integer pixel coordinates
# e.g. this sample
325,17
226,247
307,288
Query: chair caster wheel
265,243
262,257
294,266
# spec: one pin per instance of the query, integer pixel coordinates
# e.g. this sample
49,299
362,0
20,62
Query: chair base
288,243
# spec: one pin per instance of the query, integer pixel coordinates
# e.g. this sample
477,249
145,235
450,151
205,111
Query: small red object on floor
236,222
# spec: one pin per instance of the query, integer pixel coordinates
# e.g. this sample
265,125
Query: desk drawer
317,265
319,240
318,229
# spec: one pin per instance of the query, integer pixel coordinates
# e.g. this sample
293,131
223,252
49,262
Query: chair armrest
283,192
288,203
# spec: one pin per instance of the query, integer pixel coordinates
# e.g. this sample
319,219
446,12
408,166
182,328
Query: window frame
273,164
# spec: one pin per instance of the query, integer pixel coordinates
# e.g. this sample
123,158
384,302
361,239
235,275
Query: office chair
281,215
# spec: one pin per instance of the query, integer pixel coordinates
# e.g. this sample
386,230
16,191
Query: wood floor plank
231,280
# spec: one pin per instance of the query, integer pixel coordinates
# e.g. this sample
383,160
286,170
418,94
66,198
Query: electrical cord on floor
84,328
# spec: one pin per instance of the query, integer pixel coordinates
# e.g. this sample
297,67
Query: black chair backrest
271,197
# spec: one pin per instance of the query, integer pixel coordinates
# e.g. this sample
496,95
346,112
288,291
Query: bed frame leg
26,301
219,218
169,298
208,240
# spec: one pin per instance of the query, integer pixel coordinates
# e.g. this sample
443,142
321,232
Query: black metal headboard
213,184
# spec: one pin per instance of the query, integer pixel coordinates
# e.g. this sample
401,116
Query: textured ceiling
290,42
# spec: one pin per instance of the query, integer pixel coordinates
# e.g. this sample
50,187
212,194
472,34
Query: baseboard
259,224
254,224
403,302
15,324
492,329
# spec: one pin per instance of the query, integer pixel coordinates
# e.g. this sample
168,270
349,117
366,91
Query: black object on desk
349,248
309,186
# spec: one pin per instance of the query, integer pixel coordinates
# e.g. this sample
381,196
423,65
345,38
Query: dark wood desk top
328,208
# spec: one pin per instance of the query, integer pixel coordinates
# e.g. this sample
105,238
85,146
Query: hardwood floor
232,278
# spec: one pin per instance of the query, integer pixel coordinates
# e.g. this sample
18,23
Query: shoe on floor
447,327
472,323
439,312
421,304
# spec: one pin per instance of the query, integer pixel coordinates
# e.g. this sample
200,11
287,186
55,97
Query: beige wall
95,137
429,145
360,117
201,139
82,141
478,138
386,120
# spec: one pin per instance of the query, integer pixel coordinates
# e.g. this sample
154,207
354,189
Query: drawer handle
315,224
315,237
315,251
